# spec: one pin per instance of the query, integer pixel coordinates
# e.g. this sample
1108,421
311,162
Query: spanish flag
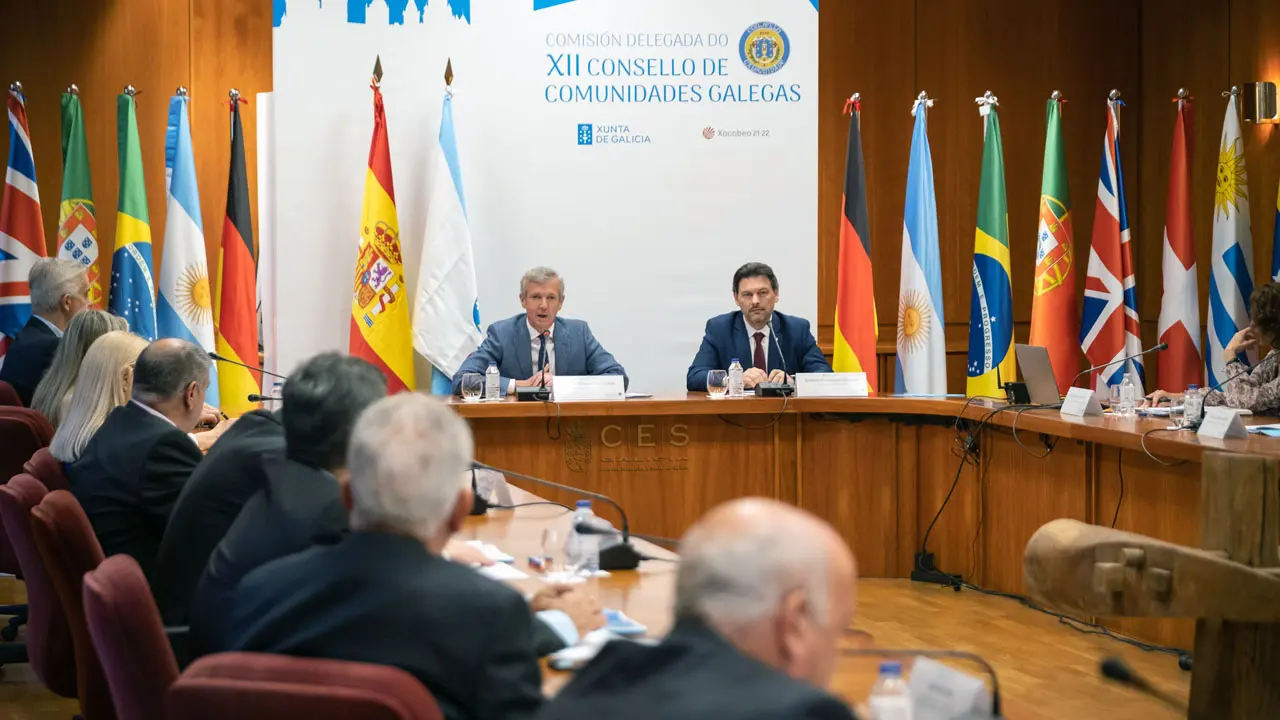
380,330
235,314
855,343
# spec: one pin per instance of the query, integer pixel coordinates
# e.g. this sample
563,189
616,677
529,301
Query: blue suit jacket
507,346
726,338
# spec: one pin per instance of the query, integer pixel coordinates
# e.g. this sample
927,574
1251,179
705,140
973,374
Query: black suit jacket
693,674
29,357
229,475
381,598
128,478
298,506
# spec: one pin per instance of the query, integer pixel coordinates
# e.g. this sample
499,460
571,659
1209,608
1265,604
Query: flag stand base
925,571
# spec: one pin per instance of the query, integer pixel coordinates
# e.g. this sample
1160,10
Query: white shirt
57,331
550,351
749,361
162,416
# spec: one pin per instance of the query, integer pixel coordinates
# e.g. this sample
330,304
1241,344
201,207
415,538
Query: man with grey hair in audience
131,472
59,290
531,348
383,593
763,594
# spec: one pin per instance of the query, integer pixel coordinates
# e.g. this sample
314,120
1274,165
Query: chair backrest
44,467
256,686
70,549
129,637
22,433
9,396
49,646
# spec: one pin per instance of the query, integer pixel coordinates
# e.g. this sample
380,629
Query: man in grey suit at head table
533,347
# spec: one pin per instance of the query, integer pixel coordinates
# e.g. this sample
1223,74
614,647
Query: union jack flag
1109,324
21,229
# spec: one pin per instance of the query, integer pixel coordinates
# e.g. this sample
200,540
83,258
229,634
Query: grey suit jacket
507,346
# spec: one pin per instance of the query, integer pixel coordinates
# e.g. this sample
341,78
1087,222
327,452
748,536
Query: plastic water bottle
1192,406
492,383
580,549
890,698
735,379
1128,398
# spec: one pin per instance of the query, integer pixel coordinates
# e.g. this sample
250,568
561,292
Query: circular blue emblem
764,48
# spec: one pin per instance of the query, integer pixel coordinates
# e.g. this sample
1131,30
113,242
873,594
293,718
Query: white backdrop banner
643,149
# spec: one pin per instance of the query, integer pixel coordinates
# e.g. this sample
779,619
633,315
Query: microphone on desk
256,398
784,388
479,504
264,371
539,392
937,654
1157,348
586,528
1117,670
622,556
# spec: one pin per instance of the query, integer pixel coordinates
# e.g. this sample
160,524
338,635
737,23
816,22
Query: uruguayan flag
921,364
446,317
184,308
1231,266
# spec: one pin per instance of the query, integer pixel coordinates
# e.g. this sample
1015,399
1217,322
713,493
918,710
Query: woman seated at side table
1258,388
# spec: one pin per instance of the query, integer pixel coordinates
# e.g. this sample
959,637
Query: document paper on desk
1271,430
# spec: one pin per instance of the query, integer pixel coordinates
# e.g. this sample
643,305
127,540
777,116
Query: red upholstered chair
130,638
22,432
254,686
9,396
49,646
44,467
70,549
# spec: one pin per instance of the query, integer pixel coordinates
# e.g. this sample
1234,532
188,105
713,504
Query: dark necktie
542,353
759,360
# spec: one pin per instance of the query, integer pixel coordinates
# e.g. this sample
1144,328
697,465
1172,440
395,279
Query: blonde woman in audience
105,382
53,395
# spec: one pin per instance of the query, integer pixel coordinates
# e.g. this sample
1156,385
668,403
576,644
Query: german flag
235,314
855,348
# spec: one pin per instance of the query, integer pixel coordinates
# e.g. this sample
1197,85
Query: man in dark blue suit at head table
536,345
769,345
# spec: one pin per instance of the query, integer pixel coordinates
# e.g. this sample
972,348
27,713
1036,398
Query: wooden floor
1046,670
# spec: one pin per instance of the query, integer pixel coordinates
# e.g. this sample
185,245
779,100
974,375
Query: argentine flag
184,308
921,367
446,316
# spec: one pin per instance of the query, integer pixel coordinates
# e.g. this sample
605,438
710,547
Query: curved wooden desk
877,468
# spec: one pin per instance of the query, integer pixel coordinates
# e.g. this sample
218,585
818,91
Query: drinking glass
1115,399
472,386
717,384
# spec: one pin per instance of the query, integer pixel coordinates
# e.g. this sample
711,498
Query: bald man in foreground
763,593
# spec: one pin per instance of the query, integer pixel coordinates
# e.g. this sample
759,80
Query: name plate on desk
573,388
1222,423
816,385
1081,402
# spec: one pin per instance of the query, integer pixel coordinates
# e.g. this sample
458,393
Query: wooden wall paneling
1255,55
851,483
1161,502
1185,43
231,47
952,537
865,47
1021,492
907,464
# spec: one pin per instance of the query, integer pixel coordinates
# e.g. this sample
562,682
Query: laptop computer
1037,372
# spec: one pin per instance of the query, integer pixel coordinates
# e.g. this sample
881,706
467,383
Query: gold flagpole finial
377,70
448,72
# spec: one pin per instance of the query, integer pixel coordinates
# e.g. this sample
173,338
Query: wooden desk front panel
666,470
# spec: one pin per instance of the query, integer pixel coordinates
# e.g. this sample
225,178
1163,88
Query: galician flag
1109,328
1055,317
77,224
1231,261
133,289
920,367
446,317
1179,326
856,322
184,306
380,330
21,229
991,359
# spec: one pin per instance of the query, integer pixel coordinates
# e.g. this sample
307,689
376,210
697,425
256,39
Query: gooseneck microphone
937,654
1157,348
256,398
622,556
1117,670
784,388
219,358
